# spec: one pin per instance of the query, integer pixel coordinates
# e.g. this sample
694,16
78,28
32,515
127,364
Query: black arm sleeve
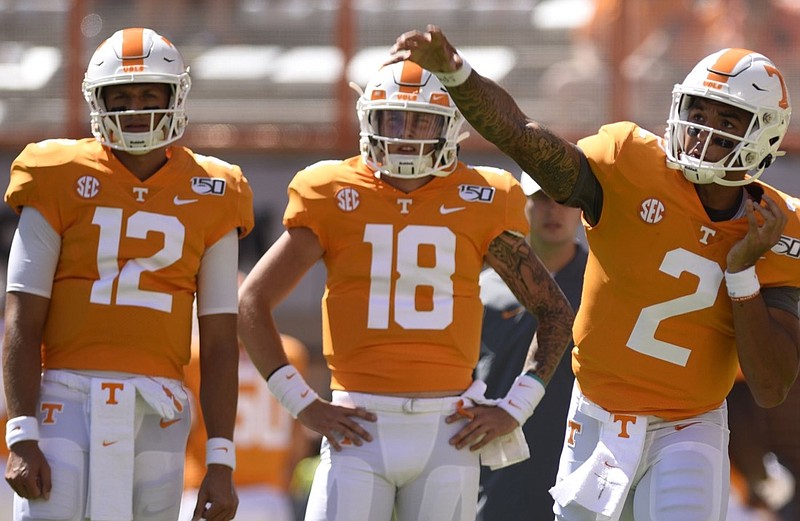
782,297
587,194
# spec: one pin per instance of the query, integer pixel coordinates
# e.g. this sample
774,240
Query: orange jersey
401,310
130,250
265,432
654,333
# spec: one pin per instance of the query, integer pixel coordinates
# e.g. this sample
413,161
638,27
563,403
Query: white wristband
22,428
456,77
742,285
221,451
525,394
291,389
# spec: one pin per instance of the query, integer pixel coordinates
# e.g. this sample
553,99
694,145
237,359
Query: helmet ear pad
137,56
748,81
404,87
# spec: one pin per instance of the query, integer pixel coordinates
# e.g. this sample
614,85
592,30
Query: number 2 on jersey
709,274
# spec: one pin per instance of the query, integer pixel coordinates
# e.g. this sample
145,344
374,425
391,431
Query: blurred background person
652,53
764,456
520,491
269,443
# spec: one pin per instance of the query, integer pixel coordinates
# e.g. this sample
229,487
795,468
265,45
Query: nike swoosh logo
304,394
180,202
107,443
684,425
166,423
607,464
444,210
290,376
511,313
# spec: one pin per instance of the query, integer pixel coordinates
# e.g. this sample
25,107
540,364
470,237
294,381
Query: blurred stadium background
270,77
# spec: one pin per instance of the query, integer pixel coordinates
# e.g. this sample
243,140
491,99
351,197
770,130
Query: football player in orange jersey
117,235
269,443
693,263
404,230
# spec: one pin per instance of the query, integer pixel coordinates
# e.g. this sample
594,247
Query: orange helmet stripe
725,64
411,75
133,47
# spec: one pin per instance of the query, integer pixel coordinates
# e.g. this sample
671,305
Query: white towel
502,451
113,406
602,482
164,395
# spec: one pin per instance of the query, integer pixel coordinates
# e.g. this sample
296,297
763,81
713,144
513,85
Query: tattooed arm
551,160
512,258
527,278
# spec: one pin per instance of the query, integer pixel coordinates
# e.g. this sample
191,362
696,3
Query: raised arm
767,338
553,161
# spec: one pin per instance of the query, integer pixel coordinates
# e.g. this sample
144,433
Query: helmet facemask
741,79
409,124
410,144
698,168
154,60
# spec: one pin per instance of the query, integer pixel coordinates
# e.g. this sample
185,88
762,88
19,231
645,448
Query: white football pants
684,473
159,454
409,467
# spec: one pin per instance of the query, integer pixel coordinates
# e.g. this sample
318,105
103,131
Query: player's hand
27,471
482,424
336,422
430,50
216,499
765,225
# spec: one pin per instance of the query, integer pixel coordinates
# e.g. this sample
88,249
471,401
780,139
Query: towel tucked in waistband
111,451
501,452
504,450
602,482
112,401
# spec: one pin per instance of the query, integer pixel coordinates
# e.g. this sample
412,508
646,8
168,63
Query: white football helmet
743,79
137,55
406,106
